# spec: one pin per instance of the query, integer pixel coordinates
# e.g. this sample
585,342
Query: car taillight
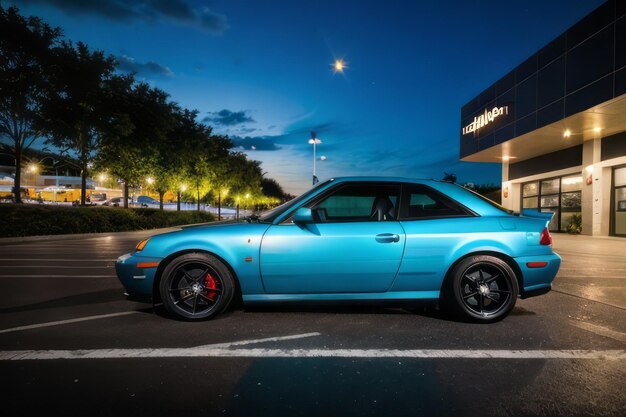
545,238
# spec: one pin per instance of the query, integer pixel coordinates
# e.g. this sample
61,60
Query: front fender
239,247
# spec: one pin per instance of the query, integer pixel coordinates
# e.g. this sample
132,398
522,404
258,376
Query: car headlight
141,245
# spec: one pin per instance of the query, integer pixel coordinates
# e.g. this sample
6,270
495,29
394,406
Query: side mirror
303,215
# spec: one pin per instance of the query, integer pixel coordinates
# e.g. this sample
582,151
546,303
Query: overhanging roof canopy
602,120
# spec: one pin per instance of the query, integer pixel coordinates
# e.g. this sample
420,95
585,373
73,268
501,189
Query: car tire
484,288
196,286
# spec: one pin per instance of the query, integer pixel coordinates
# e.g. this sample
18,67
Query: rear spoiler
546,215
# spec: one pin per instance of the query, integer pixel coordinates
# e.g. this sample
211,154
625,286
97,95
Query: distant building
557,124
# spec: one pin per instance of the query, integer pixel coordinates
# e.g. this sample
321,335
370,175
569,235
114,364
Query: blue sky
261,71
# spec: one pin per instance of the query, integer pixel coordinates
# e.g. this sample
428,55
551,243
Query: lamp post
314,141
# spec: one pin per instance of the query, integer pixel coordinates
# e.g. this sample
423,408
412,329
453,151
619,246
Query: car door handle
387,238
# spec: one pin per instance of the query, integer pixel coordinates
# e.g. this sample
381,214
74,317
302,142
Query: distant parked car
116,202
98,197
353,239
146,201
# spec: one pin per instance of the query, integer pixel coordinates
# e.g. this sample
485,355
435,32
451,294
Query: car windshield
270,215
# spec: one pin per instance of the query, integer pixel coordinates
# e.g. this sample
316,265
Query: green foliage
77,113
130,131
449,177
35,220
575,224
25,44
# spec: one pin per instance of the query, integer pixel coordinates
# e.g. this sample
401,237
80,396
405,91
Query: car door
354,244
435,226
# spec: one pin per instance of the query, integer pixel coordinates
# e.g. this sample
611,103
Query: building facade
557,124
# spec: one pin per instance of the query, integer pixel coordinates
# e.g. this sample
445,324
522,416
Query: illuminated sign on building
484,119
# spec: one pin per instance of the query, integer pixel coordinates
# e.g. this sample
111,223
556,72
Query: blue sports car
353,239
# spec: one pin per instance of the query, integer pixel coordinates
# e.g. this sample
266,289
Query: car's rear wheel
196,286
484,288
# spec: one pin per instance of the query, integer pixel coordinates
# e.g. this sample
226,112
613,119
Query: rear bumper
538,272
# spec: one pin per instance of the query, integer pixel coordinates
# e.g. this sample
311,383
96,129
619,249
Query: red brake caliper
210,284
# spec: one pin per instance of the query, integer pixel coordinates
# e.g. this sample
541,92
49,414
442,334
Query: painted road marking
59,260
57,276
599,330
253,341
208,352
61,322
59,266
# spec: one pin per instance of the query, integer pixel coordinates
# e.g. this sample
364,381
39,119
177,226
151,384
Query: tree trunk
161,194
237,211
198,199
178,202
83,184
219,206
125,195
17,184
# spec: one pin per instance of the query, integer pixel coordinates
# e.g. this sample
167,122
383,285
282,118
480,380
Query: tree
449,177
133,154
204,165
271,188
77,115
170,140
25,45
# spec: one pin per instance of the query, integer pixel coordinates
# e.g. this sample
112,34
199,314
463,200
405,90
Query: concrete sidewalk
593,268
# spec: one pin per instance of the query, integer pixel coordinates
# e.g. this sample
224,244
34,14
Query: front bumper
137,273
536,277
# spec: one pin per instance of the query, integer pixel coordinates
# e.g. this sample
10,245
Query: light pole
314,141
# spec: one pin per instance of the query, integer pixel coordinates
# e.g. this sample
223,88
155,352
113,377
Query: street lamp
314,141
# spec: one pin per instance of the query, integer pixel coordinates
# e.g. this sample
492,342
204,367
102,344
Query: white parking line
58,276
59,260
599,330
253,341
60,266
60,322
208,352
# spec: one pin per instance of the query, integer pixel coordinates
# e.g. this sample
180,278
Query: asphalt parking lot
71,344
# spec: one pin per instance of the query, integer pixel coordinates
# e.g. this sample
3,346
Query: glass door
619,201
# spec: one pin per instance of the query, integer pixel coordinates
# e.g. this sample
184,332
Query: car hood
205,237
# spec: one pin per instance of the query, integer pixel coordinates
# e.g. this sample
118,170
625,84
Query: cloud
211,21
146,69
228,118
258,143
178,11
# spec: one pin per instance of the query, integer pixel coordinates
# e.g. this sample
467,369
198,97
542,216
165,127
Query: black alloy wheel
196,286
485,288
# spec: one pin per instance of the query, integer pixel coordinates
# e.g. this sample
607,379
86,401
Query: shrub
575,224
36,220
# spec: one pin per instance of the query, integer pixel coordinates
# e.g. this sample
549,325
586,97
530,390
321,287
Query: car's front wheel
196,286
484,288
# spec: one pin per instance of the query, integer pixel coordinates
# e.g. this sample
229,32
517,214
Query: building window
619,198
561,196
530,194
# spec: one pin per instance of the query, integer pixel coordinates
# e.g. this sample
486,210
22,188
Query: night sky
261,72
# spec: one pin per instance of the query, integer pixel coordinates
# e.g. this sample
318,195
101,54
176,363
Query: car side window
422,202
358,203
